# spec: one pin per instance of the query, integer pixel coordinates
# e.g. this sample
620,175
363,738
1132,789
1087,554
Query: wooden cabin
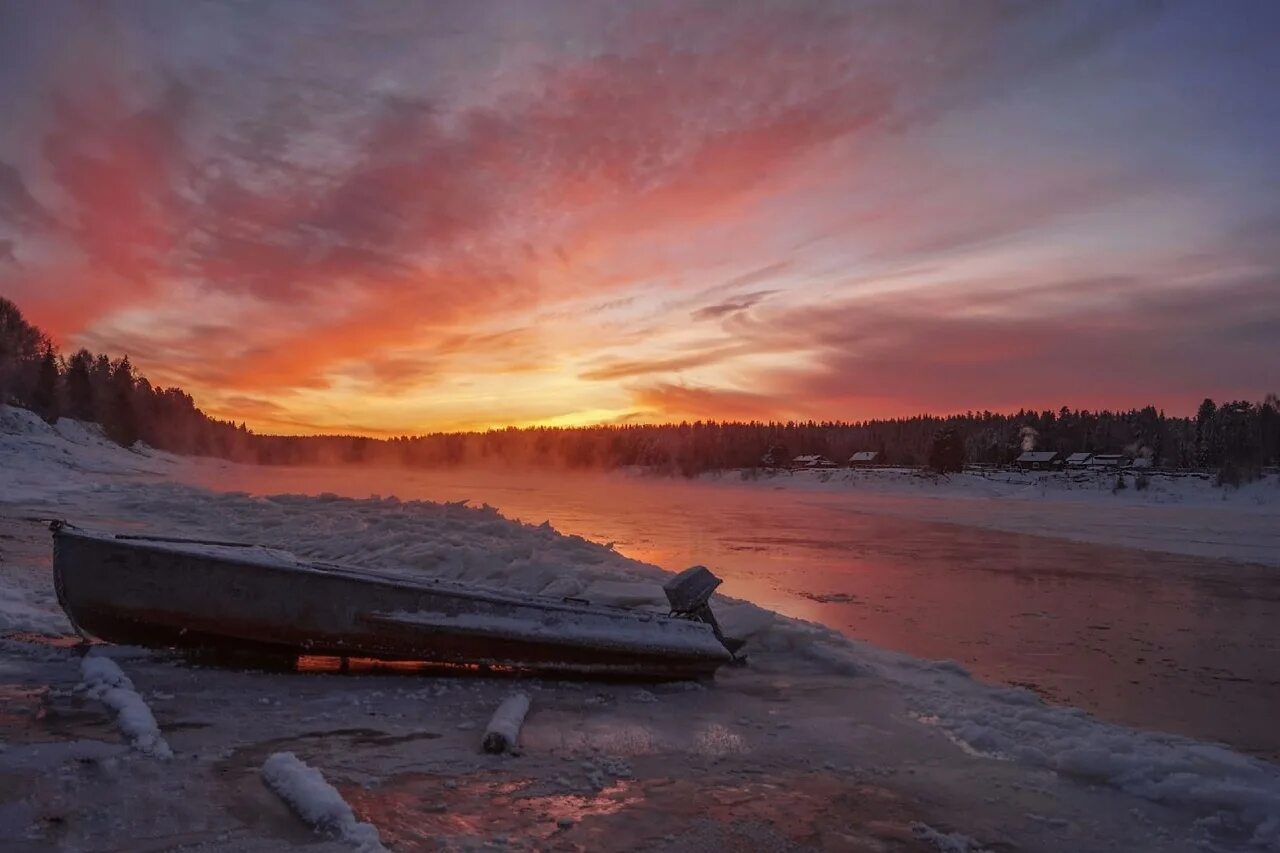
1039,460
812,460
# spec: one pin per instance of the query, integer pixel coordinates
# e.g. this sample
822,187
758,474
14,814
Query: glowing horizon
402,219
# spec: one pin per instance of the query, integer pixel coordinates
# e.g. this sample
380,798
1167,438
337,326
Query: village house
1039,460
1108,461
812,460
1079,460
865,457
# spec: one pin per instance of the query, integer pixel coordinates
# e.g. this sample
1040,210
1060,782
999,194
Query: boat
170,592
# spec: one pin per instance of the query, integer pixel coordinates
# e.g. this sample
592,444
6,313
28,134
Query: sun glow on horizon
647,213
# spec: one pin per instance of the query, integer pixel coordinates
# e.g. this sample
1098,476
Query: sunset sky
393,218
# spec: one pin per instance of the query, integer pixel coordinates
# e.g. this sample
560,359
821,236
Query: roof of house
811,458
1038,456
1142,462
1108,457
864,456
1080,457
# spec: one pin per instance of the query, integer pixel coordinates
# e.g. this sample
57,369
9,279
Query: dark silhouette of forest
1237,439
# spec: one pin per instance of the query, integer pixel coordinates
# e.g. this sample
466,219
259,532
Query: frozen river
1183,644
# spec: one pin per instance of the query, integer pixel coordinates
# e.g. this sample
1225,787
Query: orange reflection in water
809,809
414,812
330,663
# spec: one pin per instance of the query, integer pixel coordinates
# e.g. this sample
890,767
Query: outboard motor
690,596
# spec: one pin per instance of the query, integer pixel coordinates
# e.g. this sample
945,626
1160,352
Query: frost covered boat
158,591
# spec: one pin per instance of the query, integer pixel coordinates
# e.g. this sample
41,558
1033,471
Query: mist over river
1176,643
1184,644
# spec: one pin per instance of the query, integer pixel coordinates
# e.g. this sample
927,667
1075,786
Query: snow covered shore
1173,513
828,723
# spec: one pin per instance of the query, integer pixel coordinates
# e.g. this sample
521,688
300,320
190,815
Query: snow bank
1186,488
105,681
39,462
15,421
1224,789
317,802
1178,514
83,433
28,610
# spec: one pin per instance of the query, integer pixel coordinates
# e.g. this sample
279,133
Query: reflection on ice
419,812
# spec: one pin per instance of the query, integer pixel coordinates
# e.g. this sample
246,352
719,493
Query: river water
1181,644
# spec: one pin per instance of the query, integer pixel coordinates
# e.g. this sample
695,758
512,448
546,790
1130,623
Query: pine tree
1205,450
80,386
45,401
121,421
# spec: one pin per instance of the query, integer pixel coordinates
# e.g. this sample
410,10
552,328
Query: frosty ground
820,743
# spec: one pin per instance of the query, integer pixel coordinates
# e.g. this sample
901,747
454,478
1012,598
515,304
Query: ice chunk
504,729
105,681
946,842
317,802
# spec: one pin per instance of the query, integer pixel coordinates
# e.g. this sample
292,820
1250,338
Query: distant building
1143,462
1079,460
1039,460
865,457
1108,461
812,460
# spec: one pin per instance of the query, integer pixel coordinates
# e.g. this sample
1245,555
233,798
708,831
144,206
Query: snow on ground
106,682
834,726
37,459
316,801
947,842
1178,514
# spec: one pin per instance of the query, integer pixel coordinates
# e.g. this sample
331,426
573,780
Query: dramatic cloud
470,214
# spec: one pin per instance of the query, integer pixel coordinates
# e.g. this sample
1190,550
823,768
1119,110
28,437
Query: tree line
1237,438
105,391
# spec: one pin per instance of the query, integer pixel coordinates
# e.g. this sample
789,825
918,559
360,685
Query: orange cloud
632,213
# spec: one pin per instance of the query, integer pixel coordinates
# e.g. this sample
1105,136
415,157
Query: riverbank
1170,513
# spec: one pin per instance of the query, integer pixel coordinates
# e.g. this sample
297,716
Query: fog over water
1177,643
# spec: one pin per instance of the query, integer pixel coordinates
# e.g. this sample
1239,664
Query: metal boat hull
154,592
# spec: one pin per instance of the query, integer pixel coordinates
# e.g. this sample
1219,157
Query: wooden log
504,729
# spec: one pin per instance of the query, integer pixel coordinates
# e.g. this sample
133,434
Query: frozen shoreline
1033,775
1176,514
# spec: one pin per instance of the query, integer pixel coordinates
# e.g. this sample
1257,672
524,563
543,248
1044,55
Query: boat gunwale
449,588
